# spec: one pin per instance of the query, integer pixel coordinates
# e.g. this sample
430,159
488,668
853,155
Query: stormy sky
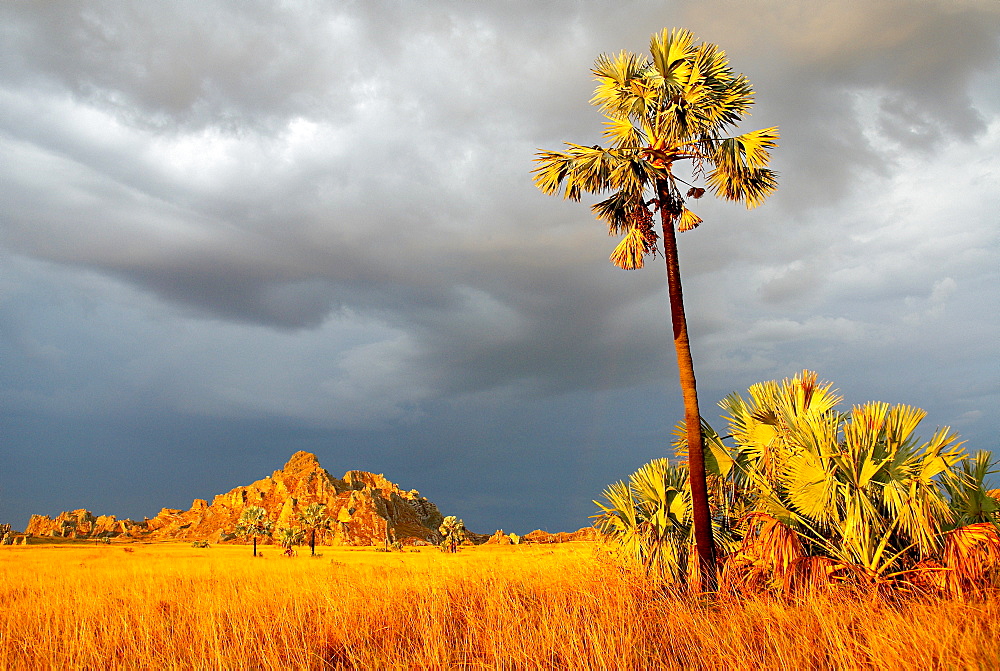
234,230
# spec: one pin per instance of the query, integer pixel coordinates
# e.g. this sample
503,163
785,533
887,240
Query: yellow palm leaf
688,220
629,253
971,553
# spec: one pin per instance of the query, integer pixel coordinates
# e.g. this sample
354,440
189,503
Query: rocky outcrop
582,534
77,524
363,509
539,536
500,538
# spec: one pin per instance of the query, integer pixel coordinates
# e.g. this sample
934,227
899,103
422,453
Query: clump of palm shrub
453,533
806,495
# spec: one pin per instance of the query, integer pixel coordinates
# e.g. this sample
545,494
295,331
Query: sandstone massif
362,507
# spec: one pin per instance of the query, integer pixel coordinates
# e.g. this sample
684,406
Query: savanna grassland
544,606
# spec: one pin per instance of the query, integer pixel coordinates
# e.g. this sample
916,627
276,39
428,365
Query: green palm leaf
810,486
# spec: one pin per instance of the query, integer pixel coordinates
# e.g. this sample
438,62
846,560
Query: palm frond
623,133
687,220
616,211
749,150
719,459
772,543
672,52
576,170
811,486
971,553
747,185
968,497
630,252
721,106
648,519
623,89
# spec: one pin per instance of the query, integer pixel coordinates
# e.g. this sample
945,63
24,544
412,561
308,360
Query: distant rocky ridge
361,507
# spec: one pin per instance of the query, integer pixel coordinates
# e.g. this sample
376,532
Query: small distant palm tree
289,537
453,533
314,518
253,523
682,106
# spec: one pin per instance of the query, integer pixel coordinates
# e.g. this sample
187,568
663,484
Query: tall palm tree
314,518
677,108
253,522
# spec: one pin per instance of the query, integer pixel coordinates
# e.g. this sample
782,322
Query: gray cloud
323,217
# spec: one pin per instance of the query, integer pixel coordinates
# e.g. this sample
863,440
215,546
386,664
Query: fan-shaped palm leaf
971,554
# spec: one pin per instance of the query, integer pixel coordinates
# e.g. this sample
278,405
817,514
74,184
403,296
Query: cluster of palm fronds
677,106
803,494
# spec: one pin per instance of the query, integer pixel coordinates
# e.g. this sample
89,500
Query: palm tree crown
680,105
314,518
253,522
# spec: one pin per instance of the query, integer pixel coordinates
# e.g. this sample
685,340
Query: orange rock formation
361,508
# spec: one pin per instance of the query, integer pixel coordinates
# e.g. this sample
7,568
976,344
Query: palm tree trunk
255,546
701,513
312,543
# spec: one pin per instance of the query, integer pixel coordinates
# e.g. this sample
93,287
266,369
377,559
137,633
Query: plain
169,605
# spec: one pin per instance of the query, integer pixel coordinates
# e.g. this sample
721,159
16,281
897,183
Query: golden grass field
171,606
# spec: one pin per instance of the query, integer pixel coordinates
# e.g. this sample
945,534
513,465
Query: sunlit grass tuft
173,606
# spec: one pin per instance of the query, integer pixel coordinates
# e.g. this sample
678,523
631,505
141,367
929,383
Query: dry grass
172,606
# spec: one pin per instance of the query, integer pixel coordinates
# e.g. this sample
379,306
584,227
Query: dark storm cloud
413,101
180,65
315,216
406,206
827,73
